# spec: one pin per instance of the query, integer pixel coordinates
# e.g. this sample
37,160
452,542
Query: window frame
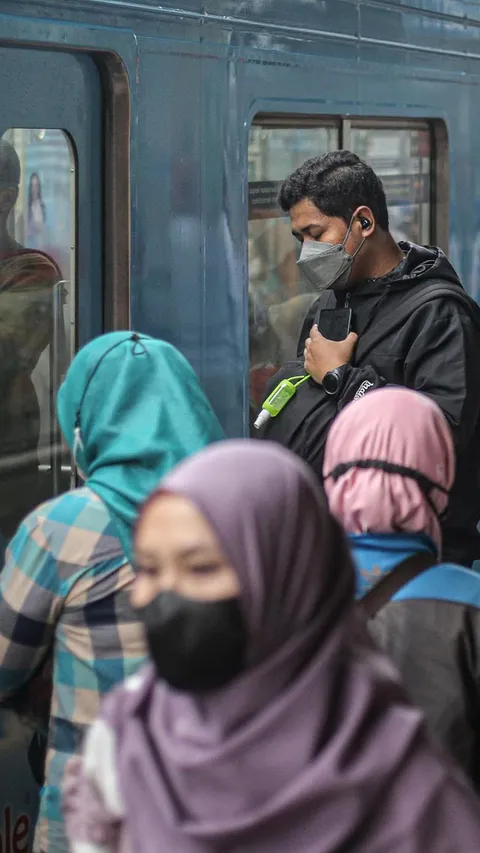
439,161
116,188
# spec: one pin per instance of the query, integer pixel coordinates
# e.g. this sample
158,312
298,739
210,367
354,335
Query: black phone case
336,323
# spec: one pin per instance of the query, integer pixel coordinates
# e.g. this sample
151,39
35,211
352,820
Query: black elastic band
423,481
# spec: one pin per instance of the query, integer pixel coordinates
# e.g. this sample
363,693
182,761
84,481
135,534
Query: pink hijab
399,427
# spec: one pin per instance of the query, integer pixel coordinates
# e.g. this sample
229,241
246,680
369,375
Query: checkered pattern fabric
65,586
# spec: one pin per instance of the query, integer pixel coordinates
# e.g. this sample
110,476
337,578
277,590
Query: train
151,141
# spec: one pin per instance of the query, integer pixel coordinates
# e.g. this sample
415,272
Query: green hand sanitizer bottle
278,399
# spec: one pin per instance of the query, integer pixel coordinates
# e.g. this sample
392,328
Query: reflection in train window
401,159
278,295
37,320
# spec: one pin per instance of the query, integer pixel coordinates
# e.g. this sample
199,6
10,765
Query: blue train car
150,142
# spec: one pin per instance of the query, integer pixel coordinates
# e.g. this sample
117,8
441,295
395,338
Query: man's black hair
337,183
9,165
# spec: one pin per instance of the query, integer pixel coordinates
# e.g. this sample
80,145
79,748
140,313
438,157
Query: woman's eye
145,570
204,568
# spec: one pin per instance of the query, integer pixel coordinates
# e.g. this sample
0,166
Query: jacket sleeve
357,381
443,363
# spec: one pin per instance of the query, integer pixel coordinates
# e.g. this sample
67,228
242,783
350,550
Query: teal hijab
130,408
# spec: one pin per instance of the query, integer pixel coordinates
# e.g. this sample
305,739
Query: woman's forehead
173,522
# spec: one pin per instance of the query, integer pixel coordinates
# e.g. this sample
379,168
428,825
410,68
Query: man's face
310,224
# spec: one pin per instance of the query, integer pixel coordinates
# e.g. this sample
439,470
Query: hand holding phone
324,354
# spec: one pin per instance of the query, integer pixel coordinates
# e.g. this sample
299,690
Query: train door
50,300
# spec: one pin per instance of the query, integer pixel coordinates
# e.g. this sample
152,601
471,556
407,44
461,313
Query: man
338,212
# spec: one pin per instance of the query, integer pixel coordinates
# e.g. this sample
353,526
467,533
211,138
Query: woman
36,212
262,724
389,465
130,408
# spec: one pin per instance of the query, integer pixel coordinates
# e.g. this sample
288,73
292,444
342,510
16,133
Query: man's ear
364,216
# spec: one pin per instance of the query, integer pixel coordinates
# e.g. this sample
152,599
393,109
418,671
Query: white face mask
327,264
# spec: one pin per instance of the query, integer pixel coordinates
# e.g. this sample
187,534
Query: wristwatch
332,381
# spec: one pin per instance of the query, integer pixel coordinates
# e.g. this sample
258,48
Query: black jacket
435,351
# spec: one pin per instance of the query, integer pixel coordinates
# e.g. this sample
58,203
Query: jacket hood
420,264
426,262
131,408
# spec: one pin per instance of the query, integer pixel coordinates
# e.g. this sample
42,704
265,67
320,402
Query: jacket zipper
347,300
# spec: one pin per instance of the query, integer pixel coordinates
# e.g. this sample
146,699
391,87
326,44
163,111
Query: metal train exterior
156,104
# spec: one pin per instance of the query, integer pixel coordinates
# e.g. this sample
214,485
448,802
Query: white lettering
363,389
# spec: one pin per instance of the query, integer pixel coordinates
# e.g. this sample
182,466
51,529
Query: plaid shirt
65,587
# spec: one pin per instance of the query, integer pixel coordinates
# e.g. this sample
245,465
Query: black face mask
196,646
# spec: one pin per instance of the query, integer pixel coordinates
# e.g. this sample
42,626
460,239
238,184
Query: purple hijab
314,749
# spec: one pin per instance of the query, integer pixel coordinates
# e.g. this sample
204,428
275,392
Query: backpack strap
385,589
400,314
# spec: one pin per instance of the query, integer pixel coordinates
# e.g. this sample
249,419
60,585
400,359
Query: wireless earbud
365,223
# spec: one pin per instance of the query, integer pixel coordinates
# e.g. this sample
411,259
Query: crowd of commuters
266,721
289,637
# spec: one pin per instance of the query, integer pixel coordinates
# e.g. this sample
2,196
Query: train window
278,295
37,315
401,157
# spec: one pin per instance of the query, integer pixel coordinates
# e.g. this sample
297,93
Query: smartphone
335,323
